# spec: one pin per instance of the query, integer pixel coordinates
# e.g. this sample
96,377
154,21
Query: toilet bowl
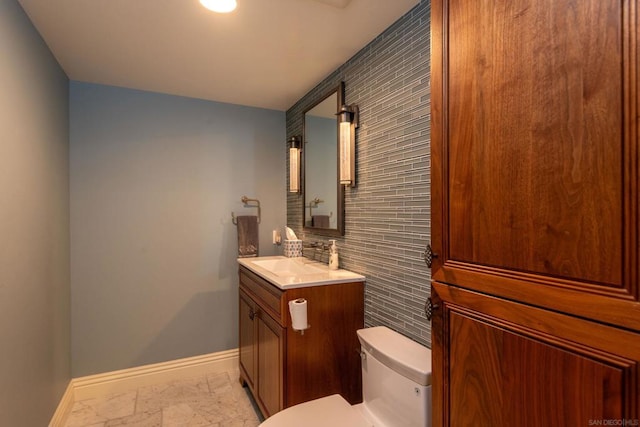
396,389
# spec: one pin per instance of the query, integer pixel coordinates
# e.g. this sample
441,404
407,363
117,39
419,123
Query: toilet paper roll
298,311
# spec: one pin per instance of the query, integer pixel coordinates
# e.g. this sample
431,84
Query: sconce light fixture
295,144
349,119
220,6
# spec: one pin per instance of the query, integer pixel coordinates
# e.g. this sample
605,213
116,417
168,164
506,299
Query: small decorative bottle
333,255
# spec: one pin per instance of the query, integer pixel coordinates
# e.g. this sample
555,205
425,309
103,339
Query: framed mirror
323,196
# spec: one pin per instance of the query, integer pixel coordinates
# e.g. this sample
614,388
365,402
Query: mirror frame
339,230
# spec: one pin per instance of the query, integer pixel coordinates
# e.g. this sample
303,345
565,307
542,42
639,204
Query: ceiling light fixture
220,6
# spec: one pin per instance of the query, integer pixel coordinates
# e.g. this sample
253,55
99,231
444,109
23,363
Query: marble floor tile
144,419
95,412
212,400
182,415
174,392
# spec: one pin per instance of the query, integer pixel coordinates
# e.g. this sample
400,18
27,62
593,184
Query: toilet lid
331,411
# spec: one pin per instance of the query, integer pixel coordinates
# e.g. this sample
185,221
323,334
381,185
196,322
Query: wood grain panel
535,212
540,385
534,110
612,306
476,384
270,365
268,296
326,358
510,364
247,341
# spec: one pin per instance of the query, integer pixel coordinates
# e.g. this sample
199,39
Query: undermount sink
285,267
288,273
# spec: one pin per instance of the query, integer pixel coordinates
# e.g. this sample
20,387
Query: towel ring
246,201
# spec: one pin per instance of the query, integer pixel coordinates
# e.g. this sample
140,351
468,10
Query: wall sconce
295,144
349,119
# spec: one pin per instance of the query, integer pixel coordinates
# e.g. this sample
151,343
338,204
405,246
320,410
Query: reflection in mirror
323,194
320,166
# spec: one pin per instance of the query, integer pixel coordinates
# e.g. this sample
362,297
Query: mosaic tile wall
387,220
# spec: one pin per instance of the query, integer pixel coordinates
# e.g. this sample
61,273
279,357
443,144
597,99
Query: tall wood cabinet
535,235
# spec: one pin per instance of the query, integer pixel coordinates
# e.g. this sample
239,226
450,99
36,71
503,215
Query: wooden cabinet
248,357
502,363
535,212
270,347
262,341
283,367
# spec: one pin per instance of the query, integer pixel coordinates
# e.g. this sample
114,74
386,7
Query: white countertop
291,273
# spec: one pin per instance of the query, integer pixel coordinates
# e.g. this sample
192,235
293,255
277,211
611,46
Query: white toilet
396,389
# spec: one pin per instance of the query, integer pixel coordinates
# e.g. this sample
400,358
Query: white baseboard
127,379
123,380
64,407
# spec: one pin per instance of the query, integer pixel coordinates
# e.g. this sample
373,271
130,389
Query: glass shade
347,160
294,170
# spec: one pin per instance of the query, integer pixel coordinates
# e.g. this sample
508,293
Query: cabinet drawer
268,297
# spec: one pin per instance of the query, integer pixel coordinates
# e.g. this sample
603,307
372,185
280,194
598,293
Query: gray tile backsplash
387,220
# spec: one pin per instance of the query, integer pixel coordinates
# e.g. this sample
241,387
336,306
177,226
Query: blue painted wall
34,224
154,179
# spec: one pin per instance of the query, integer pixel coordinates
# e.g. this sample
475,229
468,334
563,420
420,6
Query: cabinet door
270,341
510,364
535,152
248,349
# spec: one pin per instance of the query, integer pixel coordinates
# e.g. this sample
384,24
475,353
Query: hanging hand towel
320,221
247,236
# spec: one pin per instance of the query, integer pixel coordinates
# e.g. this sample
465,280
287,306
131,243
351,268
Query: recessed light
220,6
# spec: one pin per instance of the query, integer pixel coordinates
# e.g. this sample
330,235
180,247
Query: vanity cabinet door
270,344
262,344
248,357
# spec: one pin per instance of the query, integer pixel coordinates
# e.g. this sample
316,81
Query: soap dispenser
333,255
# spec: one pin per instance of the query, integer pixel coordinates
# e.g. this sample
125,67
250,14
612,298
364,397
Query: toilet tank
396,379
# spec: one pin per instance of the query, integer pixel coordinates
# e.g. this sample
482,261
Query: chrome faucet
315,246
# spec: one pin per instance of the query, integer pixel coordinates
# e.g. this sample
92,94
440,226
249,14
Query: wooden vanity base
283,367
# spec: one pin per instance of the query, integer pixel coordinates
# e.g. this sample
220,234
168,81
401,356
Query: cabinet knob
429,255
252,314
429,306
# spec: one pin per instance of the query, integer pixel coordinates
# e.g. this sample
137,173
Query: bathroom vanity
283,367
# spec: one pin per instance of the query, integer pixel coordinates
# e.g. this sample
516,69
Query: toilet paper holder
302,330
298,312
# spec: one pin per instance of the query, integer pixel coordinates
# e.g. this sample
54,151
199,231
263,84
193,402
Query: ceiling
267,53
